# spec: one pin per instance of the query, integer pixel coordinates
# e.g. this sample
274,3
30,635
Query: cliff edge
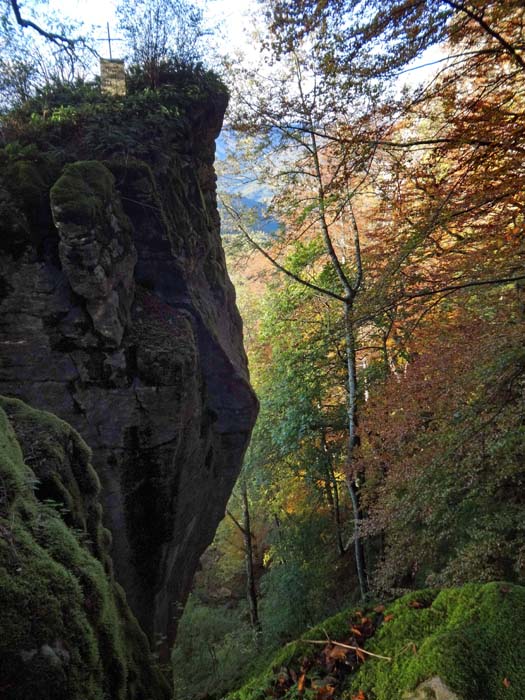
117,315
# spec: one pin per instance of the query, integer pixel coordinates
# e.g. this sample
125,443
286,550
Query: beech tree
317,197
440,167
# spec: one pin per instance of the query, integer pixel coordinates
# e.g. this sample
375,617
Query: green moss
335,627
25,178
60,460
15,486
83,192
469,637
67,632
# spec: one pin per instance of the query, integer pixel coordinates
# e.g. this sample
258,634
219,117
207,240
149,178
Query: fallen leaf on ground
335,653
506,683
379,608
360,696
301,683
388,618
324,692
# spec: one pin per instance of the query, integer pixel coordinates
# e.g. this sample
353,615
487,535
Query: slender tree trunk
520,293
248,557
337,514
333,498
351,477
336,509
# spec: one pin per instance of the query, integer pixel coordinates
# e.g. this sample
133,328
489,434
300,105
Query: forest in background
384,316
389,306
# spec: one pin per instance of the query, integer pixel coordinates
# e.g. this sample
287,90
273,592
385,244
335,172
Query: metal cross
109,40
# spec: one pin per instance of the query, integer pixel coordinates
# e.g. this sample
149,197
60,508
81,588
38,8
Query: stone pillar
113,78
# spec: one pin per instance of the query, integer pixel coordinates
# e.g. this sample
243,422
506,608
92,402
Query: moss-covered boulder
456,644
67,632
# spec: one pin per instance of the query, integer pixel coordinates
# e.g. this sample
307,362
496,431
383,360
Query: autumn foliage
431,179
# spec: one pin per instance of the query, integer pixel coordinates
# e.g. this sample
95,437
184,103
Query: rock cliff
117,315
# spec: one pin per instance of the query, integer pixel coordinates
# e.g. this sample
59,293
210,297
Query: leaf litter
322,675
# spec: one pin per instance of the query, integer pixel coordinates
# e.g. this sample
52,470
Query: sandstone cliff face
117,315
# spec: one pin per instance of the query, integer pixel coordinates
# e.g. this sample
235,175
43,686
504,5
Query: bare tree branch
274,262
58,39
461,7
440,290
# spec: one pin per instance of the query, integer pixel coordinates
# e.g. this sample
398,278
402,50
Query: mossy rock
67,632
25,178
467,637
83,192
460,643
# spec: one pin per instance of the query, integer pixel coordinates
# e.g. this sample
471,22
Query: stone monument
112,74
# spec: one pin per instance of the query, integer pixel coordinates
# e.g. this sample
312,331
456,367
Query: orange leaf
415,604
506,683
356,631
360,655
334,653
360,696
379,608
301,683
388,618
325,692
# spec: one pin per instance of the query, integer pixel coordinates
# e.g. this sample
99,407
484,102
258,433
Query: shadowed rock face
119,317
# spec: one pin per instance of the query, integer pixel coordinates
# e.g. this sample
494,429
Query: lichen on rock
431,689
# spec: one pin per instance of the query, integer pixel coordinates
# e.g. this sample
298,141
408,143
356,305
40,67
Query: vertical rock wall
117,315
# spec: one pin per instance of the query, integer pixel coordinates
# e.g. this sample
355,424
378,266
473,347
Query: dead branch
345,646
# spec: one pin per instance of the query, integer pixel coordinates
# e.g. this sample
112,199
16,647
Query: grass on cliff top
470,637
